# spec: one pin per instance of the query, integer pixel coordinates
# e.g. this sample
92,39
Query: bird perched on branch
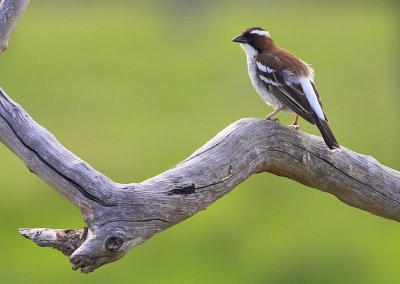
284,81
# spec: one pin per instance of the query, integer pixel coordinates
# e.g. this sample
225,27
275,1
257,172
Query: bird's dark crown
256,37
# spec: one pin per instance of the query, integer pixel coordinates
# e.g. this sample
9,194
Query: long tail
327,134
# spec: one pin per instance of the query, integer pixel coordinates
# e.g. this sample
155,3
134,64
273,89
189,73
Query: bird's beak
240,39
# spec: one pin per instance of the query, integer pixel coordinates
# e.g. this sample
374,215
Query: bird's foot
295,126
272,119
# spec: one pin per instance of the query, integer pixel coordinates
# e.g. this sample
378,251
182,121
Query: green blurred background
135,87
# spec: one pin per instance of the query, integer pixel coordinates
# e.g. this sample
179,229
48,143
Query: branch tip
66,241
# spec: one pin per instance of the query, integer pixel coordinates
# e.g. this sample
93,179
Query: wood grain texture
10,12
122,216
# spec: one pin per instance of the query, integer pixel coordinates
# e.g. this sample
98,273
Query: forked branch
121,216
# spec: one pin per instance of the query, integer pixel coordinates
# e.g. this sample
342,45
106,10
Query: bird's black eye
247,36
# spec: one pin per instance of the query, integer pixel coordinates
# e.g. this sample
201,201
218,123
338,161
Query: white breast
251,54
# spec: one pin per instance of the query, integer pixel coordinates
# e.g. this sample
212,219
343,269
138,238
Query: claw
273,119
295,123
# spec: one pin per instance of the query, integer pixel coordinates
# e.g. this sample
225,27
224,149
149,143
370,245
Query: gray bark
10,12
122,216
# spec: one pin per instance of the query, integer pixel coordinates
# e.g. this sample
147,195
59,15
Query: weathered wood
121,216
66,241
10,12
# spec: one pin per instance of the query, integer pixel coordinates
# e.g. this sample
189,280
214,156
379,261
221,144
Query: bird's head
254,40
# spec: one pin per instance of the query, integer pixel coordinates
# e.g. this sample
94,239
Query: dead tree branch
121,216
10,12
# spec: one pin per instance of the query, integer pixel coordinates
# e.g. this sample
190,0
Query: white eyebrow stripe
260,33
263,68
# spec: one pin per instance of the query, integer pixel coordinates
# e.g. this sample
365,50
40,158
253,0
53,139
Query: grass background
134,88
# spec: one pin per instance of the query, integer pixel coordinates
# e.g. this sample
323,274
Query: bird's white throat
249,50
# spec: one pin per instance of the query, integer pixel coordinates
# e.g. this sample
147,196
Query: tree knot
113,243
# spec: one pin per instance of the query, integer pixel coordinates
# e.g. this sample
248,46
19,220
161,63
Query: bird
284,81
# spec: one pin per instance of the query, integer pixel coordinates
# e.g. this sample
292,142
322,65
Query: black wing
282,85
286,91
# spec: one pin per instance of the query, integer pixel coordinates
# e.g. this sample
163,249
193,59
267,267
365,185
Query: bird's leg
272,114
295,123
